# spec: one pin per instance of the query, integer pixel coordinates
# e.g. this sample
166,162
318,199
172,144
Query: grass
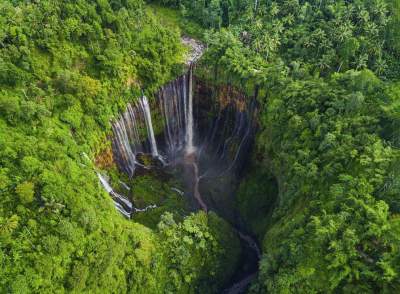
172,18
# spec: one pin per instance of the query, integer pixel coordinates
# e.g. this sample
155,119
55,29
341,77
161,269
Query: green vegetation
326,75
172,18
157,190
256,210
323,196
202,250
333,166
66,69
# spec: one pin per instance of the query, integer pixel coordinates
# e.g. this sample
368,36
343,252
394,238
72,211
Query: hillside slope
66,69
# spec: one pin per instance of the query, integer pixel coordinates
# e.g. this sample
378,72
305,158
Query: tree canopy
66,69
326,75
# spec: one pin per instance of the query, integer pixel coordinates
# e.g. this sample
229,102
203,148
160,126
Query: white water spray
144,104
189,124
121,143
121,203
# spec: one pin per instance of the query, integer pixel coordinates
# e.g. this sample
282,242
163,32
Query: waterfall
176,108
121,203
128,140
181,193
206,135
122,147
105,183
226,139
173,107
144,103
227,124
189,116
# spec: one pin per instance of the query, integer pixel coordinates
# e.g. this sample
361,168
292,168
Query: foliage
157,190
198,239
210,13
393,38
320,36
256,200
326,77
66,68
172,18
328,155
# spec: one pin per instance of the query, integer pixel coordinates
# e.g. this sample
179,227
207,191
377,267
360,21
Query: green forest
319,190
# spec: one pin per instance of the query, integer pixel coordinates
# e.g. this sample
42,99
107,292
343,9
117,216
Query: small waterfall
189,116
181,193
255,6
105,183
122,147
173,107
144,103
128,140
121,203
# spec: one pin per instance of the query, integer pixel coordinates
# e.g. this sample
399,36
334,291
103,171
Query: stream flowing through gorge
208,137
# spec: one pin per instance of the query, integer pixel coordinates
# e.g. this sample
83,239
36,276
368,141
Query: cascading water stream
121,203
144,103
123,147
172,100
128,142
189,125
190,150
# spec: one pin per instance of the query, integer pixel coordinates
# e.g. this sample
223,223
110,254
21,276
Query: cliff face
105,159
195,49
223,133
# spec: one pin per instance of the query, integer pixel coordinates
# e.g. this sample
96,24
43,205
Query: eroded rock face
196,49
105,159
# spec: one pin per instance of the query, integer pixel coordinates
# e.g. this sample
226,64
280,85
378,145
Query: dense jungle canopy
321,189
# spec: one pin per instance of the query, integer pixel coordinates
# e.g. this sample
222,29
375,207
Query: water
189,124
122,147
175,101
128,140
144,103
212,141
172,100
121,202
251,255
105,183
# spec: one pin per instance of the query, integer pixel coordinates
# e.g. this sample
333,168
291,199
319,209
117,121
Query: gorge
198,141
